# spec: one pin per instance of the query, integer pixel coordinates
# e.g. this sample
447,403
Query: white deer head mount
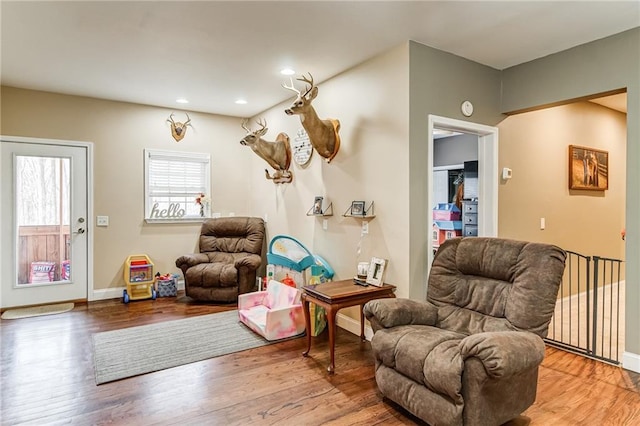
178,129
323,134
277,154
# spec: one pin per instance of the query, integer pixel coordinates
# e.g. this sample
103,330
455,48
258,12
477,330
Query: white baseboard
631,361
353,326
116,292
106,293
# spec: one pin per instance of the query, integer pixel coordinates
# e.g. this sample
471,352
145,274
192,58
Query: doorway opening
551,199
482,190
46,243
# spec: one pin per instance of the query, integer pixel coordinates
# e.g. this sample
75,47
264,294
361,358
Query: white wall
371,102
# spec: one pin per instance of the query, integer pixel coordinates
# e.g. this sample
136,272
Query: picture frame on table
377,267
357,208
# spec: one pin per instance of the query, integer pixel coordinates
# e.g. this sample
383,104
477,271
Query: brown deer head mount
277,154
323,134
178,129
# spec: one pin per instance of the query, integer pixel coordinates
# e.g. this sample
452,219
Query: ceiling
617,102
213,53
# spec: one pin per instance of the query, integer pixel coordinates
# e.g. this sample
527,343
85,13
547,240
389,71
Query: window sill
174,220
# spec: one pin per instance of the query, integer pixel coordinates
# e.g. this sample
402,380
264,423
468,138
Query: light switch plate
507,173
102,220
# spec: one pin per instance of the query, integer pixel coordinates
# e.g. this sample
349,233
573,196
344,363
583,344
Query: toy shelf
138,276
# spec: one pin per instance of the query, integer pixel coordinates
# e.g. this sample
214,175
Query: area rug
138,350
36,311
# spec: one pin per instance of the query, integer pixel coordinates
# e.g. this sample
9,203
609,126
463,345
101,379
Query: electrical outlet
102,220
365,227
543,223
325,224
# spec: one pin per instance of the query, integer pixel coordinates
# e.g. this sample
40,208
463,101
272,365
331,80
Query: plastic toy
139,278
290,257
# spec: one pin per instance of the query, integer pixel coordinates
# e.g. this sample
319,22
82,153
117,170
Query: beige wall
371,102
535,146
602,66
120,132
374,117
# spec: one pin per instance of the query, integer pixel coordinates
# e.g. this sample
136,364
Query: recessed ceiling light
182,101
241,102
287,71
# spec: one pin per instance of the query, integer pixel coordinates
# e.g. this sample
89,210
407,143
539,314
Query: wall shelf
367,212
326,212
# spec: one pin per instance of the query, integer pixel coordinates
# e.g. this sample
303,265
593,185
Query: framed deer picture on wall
588,168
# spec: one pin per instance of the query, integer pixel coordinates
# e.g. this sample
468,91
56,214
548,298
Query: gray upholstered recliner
230,254
469,355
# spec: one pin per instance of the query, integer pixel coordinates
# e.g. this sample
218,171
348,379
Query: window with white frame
177,185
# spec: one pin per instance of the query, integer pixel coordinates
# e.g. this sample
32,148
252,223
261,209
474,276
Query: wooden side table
334,296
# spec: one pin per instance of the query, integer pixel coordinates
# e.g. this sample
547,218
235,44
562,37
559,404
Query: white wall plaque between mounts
302,149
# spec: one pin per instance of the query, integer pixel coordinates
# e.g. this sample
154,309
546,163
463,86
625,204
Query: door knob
79,231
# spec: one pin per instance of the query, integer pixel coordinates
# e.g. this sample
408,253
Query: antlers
292,88
303,79
307,80
184,124
261,131
178,130
244,125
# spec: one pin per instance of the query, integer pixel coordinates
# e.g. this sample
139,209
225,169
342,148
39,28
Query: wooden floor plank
47,377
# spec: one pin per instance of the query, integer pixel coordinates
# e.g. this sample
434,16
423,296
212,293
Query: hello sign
173,212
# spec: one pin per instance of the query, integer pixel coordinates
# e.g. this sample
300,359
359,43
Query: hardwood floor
47,377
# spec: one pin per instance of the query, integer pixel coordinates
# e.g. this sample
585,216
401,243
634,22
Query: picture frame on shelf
317,205
377,267
357,208
588,168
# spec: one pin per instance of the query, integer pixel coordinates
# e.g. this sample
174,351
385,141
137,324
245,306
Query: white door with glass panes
44,223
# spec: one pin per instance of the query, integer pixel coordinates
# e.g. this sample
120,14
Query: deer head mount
178,130
277,154
323,134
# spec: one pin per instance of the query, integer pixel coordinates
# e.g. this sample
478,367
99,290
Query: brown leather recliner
230,254
469,355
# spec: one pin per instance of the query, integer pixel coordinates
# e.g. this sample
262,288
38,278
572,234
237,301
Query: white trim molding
631,361
487,174
353,326
116,292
